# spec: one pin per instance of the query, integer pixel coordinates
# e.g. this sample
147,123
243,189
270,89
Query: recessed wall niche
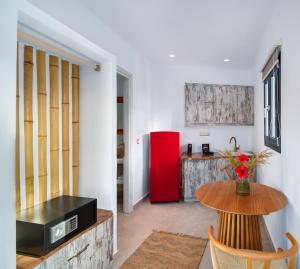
47,127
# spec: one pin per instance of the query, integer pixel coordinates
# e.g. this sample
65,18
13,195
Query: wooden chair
224,257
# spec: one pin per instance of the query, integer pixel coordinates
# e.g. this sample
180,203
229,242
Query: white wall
8,30
168,104
84,22
282,171
97,145
95,132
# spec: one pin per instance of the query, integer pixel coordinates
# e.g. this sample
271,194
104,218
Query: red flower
242,172
242,158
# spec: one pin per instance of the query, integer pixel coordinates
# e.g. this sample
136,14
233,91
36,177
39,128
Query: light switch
204,133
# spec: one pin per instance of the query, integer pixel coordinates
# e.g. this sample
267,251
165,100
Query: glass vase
242,187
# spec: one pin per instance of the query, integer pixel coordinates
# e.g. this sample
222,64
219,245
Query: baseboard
140,200
115,252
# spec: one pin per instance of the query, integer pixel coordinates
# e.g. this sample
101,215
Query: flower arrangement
243,165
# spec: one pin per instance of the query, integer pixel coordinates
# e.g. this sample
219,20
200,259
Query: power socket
204,133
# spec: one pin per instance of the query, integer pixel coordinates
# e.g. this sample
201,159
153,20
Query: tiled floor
188,218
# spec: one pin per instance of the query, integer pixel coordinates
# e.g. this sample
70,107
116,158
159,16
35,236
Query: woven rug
164,250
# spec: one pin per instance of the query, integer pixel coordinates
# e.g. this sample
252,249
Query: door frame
128,109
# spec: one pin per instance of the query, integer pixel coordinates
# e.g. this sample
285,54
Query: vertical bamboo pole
42,123
65,127
54,126
18,196
75,126
28,125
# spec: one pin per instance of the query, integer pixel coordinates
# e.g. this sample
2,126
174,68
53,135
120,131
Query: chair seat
226,261
278,264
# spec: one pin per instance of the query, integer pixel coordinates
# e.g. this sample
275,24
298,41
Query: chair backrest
228,170
224,257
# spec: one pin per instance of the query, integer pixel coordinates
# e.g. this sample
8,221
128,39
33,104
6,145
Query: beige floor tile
187,218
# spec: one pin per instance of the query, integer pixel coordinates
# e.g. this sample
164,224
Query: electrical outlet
204,133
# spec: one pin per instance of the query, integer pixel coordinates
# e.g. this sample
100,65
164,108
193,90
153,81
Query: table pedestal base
239,231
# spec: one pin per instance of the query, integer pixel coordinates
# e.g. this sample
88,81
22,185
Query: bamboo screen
47,127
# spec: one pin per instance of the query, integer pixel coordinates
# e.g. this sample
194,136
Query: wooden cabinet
198,170
212,104
93,248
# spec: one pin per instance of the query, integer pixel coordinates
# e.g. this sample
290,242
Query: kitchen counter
201,156
214,156
199,169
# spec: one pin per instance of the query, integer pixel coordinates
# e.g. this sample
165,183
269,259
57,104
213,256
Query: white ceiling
198,32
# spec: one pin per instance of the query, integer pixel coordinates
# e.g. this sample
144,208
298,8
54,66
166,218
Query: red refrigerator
164,166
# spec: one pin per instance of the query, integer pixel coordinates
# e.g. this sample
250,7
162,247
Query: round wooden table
238,220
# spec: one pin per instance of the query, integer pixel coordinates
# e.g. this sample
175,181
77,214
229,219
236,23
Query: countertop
201,156
29,262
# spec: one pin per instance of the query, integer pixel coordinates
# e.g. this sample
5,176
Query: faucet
236,148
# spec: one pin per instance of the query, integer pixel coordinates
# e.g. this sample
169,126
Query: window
272,123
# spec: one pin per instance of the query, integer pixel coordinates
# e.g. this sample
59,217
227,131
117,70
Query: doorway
124,112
